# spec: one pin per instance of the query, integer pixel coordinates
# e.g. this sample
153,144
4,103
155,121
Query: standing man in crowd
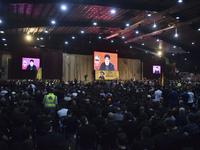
50,101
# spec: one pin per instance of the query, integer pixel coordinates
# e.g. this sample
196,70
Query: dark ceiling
33,17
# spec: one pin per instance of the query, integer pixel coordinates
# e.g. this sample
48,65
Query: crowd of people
99,115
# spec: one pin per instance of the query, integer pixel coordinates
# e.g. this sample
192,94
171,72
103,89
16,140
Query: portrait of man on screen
107,65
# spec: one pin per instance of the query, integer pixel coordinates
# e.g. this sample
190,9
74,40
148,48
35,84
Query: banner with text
106,75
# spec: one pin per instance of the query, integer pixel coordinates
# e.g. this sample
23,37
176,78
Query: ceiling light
3,39
146,52
99,37
173,54
137,32
66,42
113,11
180,1
131,46
154,25
90,41
149,14
1,21
198,29
41,38
177,18
159,53
123,37
63,7
112,41
185,59
53,22
1,31
176,35
82,31
28,37
95,23
188,52
46,31
157,40
73,37
193,43
174,46
5,44
127,24
142,43
38,39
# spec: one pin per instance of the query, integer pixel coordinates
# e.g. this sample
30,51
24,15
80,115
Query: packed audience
99,115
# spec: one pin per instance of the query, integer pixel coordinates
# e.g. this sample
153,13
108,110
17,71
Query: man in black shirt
107,65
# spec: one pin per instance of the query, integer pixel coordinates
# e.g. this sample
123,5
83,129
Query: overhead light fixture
185,59
99,37
123,37
173,54
174,46
157,40
63,7
2,32
46,31
188,52
1,21
198,29
154,25
73,37
131,46
41,38
3,39
53,22
66,42
113,11
177,18
176,33
159,53
28,37
95,23
90,41
136,32
149,14
127,24
146,52
112,41
82,31
5,44
180,1
193,43
142,43
38,39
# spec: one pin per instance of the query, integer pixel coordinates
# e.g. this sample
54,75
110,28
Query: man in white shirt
158,94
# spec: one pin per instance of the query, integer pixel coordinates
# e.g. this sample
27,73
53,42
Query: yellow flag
39,74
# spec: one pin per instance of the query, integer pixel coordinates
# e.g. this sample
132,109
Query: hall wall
77,66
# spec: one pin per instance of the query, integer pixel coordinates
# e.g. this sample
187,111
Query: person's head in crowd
83,120
99,112
191,118
142,109
162,127
122,140
107,59
145,132
180,102
128,116
171,125
181,110
46,127
110,117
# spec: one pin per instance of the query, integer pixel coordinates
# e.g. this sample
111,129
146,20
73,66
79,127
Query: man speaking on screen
107,65
31,66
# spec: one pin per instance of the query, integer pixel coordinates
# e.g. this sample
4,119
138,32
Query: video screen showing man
107,65
102,75
31,66
157,71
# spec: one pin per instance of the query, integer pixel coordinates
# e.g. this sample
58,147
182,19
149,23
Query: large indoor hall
99,75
